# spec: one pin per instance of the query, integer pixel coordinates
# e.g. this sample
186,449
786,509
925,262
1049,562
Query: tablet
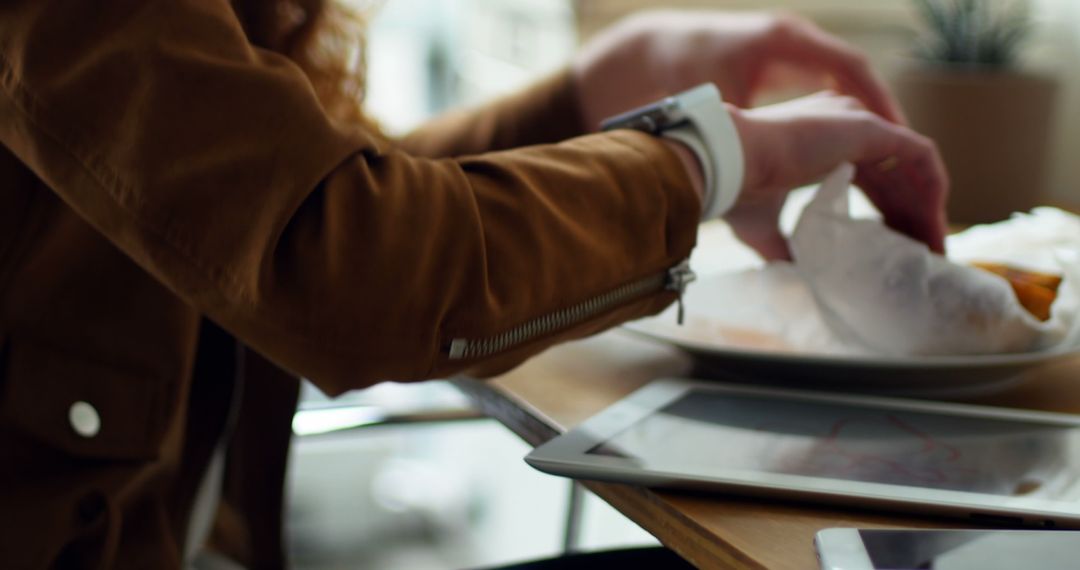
995,465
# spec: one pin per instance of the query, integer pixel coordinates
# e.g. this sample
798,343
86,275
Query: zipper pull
678,277
458,348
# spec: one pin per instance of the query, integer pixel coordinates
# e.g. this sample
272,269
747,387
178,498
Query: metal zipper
674,279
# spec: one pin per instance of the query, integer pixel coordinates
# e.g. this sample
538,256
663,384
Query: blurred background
409,476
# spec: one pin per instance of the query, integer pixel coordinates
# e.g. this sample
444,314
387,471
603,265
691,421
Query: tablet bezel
567,455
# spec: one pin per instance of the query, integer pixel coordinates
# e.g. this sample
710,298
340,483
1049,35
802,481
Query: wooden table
562,387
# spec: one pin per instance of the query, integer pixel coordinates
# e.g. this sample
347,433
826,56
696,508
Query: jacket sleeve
212,165
547,112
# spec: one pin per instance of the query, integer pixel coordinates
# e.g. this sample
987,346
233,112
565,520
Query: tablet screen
702,432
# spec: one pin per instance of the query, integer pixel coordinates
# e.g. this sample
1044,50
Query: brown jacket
167,187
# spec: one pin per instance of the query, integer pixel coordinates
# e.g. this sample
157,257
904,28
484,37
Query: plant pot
993,129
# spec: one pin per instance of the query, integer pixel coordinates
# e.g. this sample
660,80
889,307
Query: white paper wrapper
861,291
887,293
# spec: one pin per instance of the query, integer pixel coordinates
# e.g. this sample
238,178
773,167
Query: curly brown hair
324,37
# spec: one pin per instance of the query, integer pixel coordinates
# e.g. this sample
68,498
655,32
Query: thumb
770,245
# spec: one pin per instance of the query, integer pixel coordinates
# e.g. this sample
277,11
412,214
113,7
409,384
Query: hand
797,142
656,54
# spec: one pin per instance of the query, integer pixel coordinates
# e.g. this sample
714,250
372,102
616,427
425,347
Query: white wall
1057,49
426,55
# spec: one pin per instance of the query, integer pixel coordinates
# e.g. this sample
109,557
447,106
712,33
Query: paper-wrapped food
888,293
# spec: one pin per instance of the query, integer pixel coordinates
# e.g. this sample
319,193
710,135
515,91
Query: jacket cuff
684,203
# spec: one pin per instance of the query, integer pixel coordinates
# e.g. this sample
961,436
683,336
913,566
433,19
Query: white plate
731,347
748,356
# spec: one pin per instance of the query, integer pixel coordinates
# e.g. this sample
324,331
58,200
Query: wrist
748,131
691,164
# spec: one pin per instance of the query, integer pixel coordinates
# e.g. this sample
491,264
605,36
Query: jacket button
84,419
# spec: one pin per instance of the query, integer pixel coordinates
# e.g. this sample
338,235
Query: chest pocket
84,407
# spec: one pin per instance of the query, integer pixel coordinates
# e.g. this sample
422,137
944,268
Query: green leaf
972,31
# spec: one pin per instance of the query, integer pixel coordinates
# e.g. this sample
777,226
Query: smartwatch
698,119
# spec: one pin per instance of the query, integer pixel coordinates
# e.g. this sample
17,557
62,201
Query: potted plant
991,119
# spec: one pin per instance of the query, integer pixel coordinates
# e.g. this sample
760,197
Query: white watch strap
705,111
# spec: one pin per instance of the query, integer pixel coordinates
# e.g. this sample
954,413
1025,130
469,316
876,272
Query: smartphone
887,549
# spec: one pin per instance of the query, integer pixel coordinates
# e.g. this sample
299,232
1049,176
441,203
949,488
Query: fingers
794,143
771,246
905,178
800,42
756,223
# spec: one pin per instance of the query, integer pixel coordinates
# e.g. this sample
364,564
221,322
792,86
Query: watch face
651,118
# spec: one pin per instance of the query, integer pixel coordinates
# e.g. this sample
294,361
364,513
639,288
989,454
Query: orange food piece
1035,291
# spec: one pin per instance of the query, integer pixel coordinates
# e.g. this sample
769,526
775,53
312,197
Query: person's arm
657,54
651,55
211,164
